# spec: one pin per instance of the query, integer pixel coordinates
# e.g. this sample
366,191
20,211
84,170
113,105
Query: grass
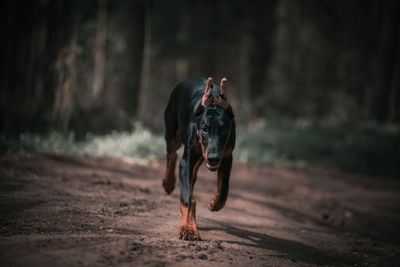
140,145
372,150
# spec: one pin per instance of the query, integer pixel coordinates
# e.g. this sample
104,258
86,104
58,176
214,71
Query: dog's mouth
212,166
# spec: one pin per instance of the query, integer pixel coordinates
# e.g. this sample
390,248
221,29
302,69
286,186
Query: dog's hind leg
173,143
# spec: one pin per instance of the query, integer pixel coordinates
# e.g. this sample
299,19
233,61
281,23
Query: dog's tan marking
168,180
188,229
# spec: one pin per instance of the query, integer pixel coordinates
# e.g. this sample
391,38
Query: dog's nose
213,161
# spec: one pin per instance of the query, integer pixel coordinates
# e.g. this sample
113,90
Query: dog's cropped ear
199,110
207,98
222,101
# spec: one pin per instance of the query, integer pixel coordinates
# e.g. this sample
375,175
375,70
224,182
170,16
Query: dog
199,117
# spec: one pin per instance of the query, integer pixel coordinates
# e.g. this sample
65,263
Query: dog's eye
205,129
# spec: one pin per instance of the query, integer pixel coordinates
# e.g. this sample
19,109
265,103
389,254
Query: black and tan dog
198,116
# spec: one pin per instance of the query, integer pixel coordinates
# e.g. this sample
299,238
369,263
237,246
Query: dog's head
215,125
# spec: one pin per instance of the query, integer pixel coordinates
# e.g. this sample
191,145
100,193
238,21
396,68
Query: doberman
198,116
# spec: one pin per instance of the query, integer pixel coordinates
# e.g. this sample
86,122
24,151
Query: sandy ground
61,210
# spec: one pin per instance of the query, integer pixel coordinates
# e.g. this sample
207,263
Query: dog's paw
188,231
215,206
168,185
189,235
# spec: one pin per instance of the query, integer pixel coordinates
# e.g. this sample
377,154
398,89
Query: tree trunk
144,84
65,71
100,52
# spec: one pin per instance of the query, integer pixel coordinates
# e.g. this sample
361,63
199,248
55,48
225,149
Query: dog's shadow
292,250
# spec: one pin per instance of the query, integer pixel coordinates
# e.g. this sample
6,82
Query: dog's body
199,117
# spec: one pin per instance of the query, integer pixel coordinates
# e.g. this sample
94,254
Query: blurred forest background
99,66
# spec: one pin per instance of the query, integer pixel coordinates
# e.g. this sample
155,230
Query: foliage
372,150
140,145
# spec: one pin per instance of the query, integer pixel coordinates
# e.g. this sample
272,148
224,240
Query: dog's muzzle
213,163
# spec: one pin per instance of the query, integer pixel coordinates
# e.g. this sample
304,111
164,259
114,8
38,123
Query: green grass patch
140,145
372,150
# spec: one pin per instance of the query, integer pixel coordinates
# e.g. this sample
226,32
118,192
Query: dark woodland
96,66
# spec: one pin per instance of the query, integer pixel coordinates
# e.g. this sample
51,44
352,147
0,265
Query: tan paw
213,206
169,185
189,235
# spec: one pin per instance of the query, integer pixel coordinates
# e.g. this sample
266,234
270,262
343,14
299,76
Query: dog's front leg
221,194
188,168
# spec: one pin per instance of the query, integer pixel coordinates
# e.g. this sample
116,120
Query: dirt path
60,210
